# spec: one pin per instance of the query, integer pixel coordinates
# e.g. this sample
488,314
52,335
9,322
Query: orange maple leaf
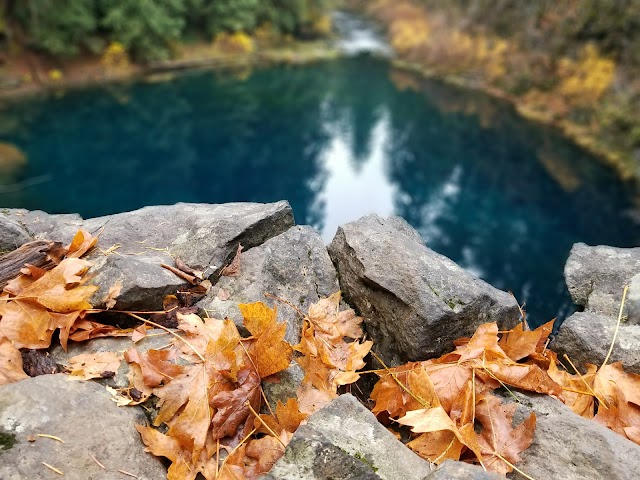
54,300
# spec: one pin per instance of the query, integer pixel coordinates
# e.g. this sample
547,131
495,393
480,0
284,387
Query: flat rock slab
415,301
569,447
586,338
81,414
201,235
345,441
452,470
293,266
596,276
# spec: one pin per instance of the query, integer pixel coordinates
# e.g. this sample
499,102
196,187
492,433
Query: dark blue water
500,196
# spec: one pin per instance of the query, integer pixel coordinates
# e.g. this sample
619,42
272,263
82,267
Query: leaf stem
615,333
157,325
273,434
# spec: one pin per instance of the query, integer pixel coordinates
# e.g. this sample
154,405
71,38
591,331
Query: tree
145,27
59,27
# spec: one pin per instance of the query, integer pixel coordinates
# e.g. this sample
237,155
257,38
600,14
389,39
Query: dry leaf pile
207,382
210,401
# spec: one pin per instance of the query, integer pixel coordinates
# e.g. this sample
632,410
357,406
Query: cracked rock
415,301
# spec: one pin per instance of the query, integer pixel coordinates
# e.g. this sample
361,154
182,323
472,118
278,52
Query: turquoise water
500,196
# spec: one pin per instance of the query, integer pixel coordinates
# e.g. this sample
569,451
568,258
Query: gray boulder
44,226
293,266
596,276
12,234
83,416
345,441
415,301
452,470
586,338
569,447
201,235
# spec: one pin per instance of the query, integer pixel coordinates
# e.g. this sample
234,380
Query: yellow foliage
238,42
322,25
408,33
265,33
115,57
55,75
585,81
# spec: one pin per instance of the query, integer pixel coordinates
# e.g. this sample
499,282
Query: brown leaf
442,440
10,363
582,404
287,418
112,295
155,365
82,243
26,319
93,365
403,389
498,437
233,269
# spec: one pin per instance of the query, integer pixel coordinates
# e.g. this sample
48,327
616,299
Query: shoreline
92,74
89,73
572,132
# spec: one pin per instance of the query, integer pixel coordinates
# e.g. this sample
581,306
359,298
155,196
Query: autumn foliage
212,416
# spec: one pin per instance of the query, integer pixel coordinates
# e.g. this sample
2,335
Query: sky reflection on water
341,139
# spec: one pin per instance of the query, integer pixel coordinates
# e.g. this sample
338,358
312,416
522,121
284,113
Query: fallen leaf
268,350
10,363
93,365
499,440
82,242
155,365
29,318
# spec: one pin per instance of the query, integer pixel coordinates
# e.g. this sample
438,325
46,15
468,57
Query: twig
286,302
273,434
168,331
585,382
124,472
234,451
513,466
192,279
59,472
615,333
44,435
405,388
97,462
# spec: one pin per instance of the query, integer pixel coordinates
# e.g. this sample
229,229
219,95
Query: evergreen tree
59,27
145,27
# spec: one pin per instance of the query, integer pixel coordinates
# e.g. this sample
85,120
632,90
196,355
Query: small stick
255,414
129,474
97,462
585,383
59,472
286,302
234,450
192,279
615,333
513,466
157,325
44,435
405,388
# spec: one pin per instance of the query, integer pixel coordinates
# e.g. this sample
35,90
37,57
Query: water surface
341,139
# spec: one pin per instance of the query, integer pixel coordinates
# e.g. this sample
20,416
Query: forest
147,29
